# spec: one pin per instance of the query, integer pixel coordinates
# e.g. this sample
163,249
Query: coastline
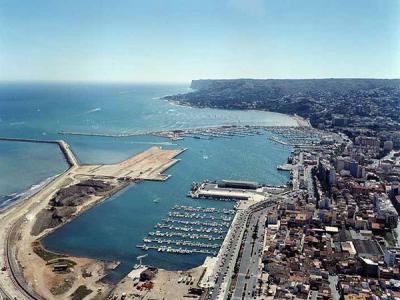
25,194
15,239
301,122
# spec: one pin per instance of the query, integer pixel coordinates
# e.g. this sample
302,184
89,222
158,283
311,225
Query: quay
285,167
228,190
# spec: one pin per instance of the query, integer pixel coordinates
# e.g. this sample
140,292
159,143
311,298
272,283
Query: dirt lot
166,286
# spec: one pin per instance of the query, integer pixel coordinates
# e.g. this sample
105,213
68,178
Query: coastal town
331,232
200,150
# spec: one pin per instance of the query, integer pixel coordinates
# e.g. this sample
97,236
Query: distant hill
317,99
293,85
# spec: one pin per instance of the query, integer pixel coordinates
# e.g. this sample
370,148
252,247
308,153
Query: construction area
151,283
147,165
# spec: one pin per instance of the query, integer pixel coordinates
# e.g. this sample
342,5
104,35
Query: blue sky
180,40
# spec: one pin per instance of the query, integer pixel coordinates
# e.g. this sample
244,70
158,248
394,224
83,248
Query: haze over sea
112,229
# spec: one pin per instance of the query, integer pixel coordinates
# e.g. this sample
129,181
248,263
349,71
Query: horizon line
182,82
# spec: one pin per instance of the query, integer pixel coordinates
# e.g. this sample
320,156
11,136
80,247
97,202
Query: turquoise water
113,229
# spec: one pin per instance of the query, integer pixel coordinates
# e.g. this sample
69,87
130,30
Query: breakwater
64,147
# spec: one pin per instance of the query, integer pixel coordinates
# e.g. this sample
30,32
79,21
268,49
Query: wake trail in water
93,110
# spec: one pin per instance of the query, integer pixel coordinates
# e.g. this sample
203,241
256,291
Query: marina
174,250
225,131
189,228
187,236
203,209
198,223
198,216
181,243
295,136
291,135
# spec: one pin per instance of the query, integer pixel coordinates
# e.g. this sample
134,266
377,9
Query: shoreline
26,193
26,211
302,122
184,104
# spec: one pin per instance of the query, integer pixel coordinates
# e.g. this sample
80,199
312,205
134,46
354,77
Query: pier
276,140
198,216
193,236
181,243
285,167
198,223
177,250
228,190
189,228
203,209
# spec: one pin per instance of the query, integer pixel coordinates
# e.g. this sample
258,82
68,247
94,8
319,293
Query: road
230,250
249,269
3,295
228,258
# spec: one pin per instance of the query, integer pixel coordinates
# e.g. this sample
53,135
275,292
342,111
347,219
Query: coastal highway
249,270
228,256
249,219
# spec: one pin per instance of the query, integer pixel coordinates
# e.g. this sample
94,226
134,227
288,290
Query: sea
112,229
